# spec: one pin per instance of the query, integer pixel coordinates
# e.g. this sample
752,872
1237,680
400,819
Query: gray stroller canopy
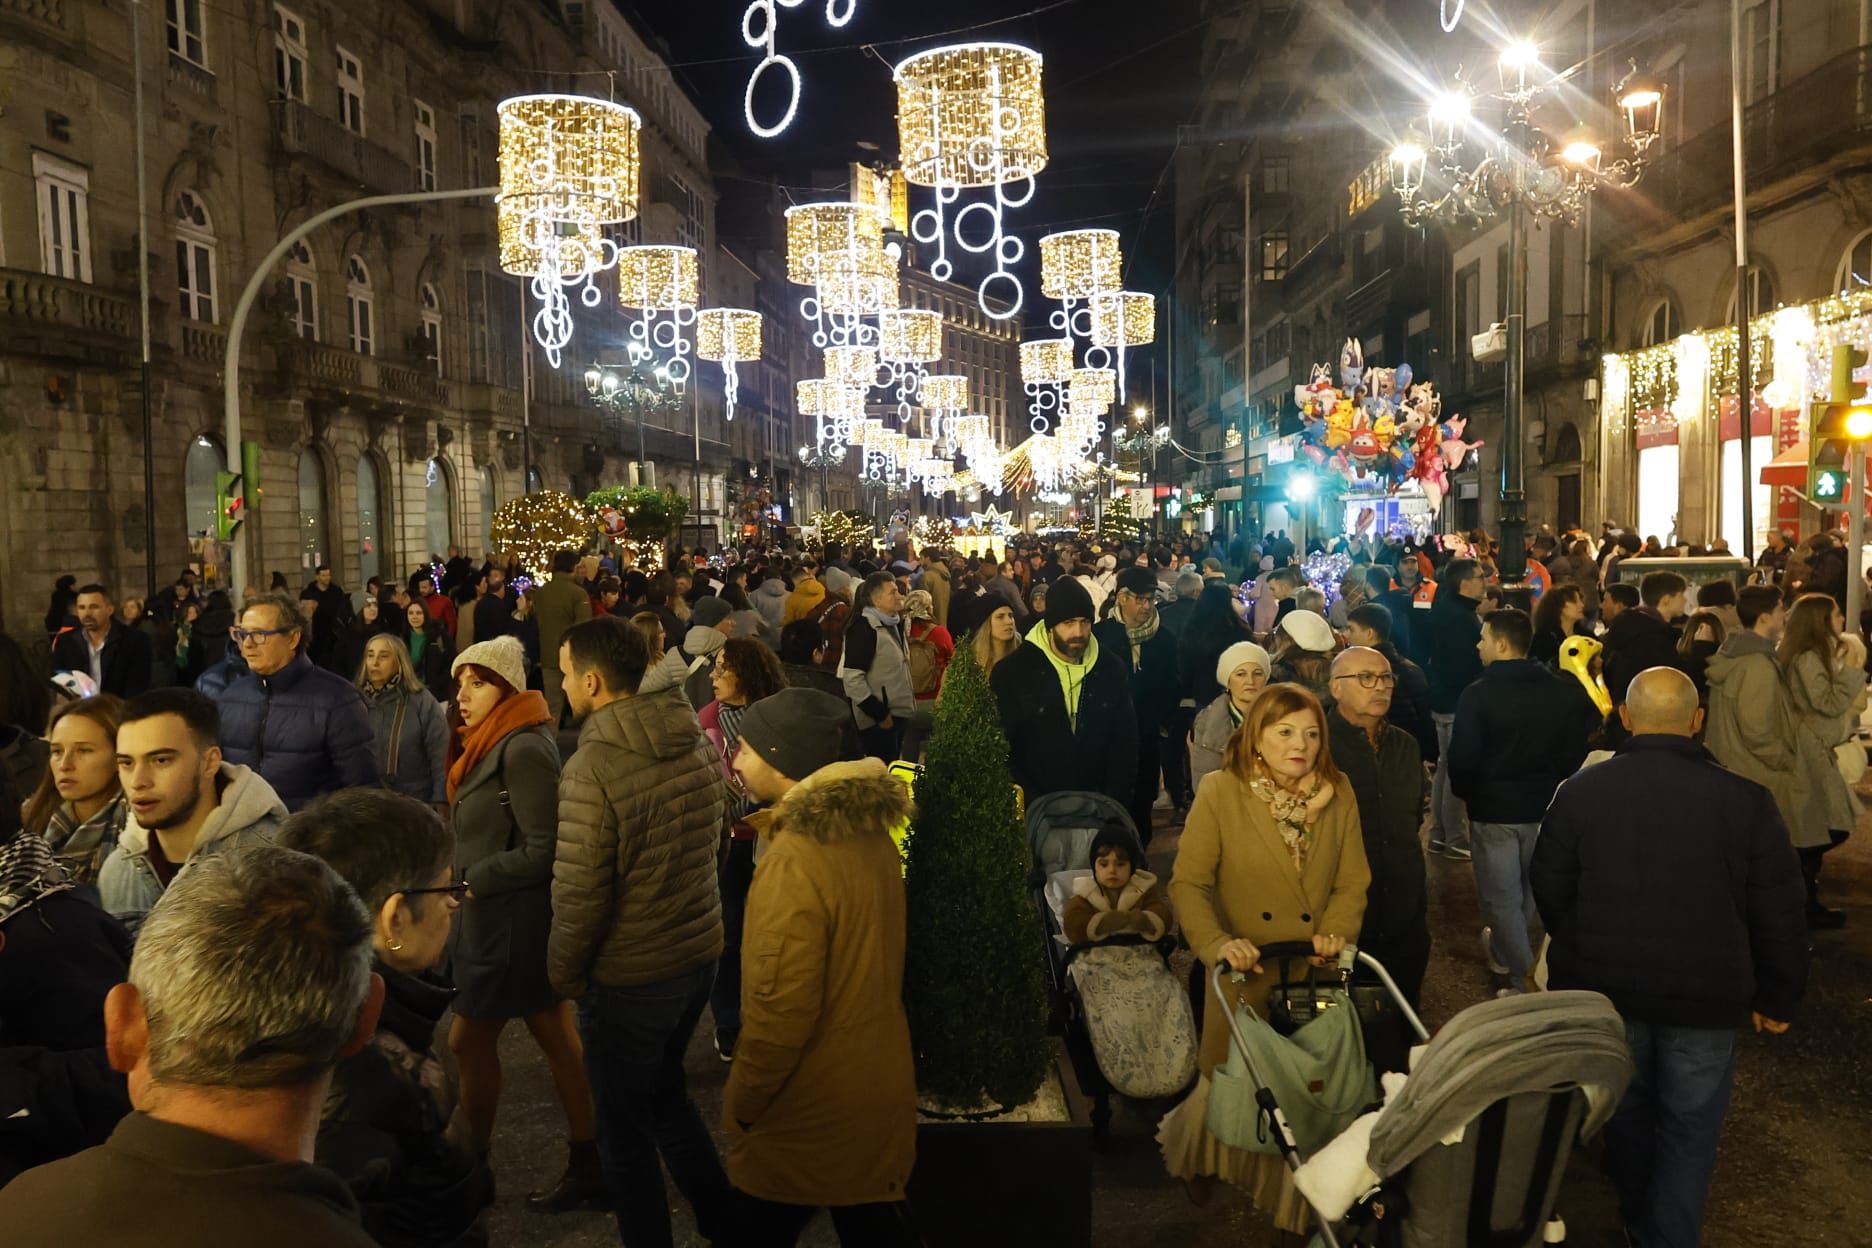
1061,827
1538,1042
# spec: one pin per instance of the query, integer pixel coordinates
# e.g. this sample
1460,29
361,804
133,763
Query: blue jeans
1661,1142
635,1039
1449,819
1502,854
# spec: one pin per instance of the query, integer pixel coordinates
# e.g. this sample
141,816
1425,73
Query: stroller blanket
1139,1018
1531,1043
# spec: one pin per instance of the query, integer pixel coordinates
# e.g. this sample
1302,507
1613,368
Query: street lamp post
633,387
1522,170
822,458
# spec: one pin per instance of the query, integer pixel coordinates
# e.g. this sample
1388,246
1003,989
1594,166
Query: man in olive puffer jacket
637,926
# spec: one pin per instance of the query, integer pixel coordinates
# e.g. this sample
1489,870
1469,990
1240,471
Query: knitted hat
837,581
701,639
1066,600
1140,581
1236,655
1308,629
710,611
918,605
1115,833
797,731
504,656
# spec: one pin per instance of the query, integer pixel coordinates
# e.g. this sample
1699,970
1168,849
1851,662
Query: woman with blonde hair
79,806
1824,667
1271,853
995,638
409,731
650,624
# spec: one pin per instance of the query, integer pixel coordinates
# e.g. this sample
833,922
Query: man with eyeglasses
1385,766
304,729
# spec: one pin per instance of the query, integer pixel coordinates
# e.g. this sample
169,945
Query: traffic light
1838,428
230,505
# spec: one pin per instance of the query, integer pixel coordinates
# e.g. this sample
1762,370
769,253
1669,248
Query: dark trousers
770,1224
737,873
1144,788
635,1039
884,743
1173,746
1661,1142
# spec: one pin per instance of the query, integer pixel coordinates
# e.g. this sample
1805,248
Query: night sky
1119,79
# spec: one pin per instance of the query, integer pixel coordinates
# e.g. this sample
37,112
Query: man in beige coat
820,1108
558,605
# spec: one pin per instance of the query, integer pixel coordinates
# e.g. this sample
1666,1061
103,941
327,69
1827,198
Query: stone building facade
390,392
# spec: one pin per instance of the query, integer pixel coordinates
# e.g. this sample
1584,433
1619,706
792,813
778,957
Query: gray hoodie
249,814
678,669
769,599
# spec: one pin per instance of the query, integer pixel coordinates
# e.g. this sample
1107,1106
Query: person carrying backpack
929,647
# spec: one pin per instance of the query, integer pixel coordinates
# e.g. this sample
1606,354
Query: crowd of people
256,858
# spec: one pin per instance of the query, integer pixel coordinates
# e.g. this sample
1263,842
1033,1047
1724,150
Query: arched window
369,522
431,315
535,482
1855,268
199,504
314,532
1566,445
195,257
302,286
490,499
359,306
439,503
1761,296
1661,324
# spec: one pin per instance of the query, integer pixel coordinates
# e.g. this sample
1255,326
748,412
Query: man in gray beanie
1066,704
820,1107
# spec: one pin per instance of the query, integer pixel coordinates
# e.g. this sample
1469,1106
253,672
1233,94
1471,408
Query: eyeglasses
242,636
1371,680
457,889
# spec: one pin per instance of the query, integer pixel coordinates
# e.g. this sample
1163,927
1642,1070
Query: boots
581,1187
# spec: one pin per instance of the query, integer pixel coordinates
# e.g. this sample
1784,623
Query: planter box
1009,1182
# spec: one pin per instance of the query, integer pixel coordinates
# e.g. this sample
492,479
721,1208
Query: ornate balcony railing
299,131
64,303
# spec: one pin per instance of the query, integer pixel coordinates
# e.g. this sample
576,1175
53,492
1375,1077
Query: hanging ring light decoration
1122,319
569,165
973,116
661,284
852,366
1091,392
838,249
765,39
909,339
730,336
839,409
1075,267
1045,364
943,397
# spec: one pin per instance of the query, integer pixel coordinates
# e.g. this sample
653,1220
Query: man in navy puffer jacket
304,729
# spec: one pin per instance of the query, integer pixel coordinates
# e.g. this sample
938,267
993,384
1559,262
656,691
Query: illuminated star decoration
765,38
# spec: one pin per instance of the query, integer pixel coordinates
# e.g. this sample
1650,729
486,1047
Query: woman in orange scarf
503,791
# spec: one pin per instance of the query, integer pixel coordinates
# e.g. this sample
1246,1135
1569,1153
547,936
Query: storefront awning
1789,468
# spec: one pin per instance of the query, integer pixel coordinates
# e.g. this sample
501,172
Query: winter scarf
882,619
1141,634
522,710
83,847
1293,812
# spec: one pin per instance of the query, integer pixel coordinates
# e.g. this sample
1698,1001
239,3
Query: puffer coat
820,1107
304,729
643,813
409,732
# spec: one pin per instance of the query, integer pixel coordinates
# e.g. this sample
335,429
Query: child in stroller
1126,1019
1119,896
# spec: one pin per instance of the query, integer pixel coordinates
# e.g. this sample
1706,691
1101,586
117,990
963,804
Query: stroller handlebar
1282,949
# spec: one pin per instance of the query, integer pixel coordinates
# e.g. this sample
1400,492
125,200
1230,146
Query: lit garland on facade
568,165
973,116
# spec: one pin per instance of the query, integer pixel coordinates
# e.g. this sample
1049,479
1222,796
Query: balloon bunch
1376,427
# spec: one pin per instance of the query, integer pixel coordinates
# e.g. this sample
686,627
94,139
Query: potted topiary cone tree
975,992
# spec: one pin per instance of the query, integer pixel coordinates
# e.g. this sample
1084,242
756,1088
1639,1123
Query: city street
1793,1168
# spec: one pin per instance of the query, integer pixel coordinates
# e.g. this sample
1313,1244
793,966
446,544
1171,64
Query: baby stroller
1472,1146
1125,1019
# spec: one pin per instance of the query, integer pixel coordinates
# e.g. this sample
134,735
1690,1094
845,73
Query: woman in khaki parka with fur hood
820,1107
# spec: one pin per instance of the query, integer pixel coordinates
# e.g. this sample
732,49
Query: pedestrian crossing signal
230,505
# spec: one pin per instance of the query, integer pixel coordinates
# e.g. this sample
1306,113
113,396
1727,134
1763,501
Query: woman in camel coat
1271,853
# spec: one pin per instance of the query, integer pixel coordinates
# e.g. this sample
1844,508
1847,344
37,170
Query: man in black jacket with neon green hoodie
1066,705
